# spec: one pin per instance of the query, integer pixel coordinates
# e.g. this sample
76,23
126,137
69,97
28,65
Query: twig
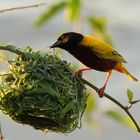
22,7
116,102
14,49
1,136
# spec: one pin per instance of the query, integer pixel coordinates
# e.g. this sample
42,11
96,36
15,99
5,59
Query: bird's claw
79,73
101,92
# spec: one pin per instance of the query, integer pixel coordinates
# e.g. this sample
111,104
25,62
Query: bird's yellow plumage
101,49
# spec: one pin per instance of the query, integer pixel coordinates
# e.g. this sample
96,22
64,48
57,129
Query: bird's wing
102,49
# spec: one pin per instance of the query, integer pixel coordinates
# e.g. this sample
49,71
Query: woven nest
42,91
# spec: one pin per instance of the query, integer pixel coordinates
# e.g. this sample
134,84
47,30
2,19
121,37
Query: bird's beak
57,44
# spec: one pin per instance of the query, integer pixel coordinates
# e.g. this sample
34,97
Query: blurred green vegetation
98,25
72,7
120,117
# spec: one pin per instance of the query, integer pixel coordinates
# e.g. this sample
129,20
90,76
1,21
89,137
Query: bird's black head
68,41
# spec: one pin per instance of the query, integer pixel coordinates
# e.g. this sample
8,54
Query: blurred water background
124,26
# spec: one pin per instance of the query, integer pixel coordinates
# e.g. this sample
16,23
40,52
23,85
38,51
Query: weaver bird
94,53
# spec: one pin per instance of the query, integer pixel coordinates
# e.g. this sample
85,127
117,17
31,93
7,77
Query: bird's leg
101,90
79,73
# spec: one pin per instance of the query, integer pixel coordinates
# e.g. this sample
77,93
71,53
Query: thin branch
14,49
1,136
116,102
22,7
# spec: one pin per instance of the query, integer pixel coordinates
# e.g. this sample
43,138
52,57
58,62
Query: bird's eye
63,39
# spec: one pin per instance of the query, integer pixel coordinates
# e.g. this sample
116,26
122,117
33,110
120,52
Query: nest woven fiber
41,90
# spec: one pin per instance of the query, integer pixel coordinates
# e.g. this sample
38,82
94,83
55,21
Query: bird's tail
120,68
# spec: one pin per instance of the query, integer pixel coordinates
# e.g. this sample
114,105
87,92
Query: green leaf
47,89
97,22
67,108
91,103
73,9
129,95
47,15
117,116
99,28
108,39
